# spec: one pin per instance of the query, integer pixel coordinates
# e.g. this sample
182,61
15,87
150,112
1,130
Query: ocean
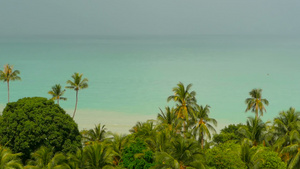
130,77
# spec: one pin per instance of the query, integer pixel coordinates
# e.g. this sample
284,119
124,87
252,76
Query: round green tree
31,123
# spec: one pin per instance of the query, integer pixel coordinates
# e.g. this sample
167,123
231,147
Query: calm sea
131,77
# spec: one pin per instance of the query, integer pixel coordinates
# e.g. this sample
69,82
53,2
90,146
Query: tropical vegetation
7,75
57,93
77,84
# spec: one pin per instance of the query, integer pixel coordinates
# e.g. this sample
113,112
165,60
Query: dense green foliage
229,133
225,156
269,159
137,156
31,123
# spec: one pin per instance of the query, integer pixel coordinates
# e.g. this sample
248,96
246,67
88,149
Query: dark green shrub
137,156
31,123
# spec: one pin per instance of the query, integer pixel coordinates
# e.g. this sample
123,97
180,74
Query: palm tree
147,131
182,154
97,156
76,160
254,130
164,139
287,123
185,101
287,127
256,103
77,84
57,93
119,141
167,120
44,158
202,123
8,75
250,155
98,134
9,160
291,153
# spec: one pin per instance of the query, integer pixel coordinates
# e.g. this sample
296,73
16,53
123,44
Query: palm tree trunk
75,104
8,91
202,140
58,101
184,129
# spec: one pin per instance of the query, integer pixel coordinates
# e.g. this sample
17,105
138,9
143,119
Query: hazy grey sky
127,17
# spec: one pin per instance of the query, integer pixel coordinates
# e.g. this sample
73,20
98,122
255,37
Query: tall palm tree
57,93
185,101
256,103
9,160
77,84
8,75
202,123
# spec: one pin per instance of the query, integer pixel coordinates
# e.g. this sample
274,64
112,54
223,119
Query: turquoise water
131,77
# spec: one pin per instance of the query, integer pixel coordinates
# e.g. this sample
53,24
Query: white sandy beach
117,122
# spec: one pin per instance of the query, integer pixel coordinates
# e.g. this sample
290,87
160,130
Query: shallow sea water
130,78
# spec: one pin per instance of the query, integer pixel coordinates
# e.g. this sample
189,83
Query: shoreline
117,122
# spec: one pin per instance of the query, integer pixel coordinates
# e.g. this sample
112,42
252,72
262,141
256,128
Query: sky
152,17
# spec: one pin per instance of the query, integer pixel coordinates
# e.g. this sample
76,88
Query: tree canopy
31,123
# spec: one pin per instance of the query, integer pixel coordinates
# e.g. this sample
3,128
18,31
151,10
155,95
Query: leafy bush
137,156
225,156
31,123
268,159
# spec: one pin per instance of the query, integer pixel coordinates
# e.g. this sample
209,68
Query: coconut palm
250,155
254,130
167,120
44,158
164,139
182,154
8,160
185,101
287,123
202,123
57,93
76,160
118,142
287,127
147,131
291,153
8,75
98,134
256,103
77,84
97,156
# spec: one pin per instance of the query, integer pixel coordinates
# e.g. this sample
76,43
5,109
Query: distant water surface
130,78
